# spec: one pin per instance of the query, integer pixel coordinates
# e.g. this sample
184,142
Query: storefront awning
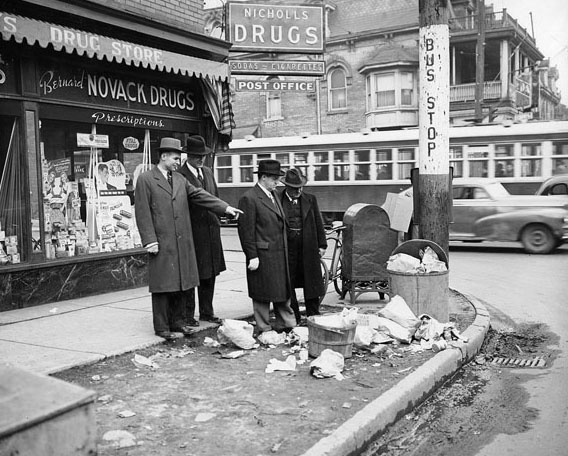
103,47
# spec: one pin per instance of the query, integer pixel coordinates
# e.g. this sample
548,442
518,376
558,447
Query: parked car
555,185
483,210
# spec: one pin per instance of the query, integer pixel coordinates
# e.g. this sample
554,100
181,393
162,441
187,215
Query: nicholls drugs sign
276,28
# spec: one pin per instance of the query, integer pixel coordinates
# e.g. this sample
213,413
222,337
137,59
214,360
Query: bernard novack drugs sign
276,28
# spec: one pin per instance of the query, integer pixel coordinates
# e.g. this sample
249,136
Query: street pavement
55,337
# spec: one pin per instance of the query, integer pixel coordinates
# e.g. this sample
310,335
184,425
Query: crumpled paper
328,364
237,332
398,311
428,262
276,365
272,338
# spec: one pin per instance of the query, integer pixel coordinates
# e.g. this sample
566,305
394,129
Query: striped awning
102,47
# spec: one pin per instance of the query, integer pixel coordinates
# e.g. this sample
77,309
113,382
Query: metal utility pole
433,202
480,61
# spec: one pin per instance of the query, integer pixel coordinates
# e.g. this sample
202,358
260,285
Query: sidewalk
55,337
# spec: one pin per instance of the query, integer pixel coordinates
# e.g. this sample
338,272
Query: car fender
508,226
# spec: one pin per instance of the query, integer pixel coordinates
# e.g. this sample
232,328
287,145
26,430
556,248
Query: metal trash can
424,293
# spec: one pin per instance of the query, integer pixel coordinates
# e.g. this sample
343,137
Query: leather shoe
186,330
212,319
192,322
166,335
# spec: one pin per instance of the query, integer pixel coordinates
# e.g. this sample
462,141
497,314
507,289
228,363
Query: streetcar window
504,161
456,160
405,163
341,171
560,164
321,168
531,167
384,164
224,169
362,164
246,168
301,162
477,156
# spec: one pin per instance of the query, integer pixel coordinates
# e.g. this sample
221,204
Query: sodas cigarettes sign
277,28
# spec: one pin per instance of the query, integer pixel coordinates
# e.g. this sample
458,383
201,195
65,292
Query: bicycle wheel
337,278
324,277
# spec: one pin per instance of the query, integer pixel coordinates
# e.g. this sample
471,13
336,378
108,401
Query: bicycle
333,271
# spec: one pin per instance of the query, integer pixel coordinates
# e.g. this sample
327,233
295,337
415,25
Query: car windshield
496,190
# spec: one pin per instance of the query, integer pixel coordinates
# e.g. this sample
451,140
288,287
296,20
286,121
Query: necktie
272,198
200,176
170,181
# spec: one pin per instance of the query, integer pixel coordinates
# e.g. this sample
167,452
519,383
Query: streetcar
362,167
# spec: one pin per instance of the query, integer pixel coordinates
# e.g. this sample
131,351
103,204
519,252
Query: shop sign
85,86
276,28
8,78
130,143
280,67
88,140
243,85
91,44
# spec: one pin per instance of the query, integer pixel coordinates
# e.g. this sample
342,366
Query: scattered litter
364,336
395,330
429,262
302,332
275,447
233,354
272,338
209,342
126,414
203,417
120,438
277,365
398,311
346,318
303,355
96,378
439,345
105,398
54,310
237,332
328,364
346,405
140,360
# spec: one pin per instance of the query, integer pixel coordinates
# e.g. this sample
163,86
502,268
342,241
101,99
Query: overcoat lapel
162,181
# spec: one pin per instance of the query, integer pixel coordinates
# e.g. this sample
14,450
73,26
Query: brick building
371,80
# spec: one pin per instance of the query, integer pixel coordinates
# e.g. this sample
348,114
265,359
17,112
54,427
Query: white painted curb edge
353,435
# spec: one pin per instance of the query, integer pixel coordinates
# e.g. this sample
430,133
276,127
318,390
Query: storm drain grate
519,362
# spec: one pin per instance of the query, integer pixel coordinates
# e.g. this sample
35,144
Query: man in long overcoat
206,233
162,216
306,242
262,232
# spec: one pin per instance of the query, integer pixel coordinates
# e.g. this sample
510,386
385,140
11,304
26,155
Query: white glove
253,264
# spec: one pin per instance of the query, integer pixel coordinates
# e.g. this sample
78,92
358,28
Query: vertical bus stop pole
434,124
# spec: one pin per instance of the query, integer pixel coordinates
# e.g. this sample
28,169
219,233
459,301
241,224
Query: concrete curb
353,435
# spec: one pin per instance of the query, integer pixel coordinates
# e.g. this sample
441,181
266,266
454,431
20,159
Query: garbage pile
391,326
428,262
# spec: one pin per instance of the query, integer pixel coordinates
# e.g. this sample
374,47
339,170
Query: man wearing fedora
206,229
262,232
306,242
162,216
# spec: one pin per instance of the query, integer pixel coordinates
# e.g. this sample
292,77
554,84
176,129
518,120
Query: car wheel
538,239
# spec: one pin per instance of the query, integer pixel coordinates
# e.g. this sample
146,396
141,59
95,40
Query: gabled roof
351,17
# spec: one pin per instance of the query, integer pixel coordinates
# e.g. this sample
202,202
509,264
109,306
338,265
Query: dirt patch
199,403
480,402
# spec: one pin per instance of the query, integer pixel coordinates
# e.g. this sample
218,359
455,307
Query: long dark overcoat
262,232
162,215
206,228
313,237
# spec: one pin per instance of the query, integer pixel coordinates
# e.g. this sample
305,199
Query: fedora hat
294,178
170,145
195,145
270,167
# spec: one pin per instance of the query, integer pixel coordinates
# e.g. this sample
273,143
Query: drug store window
88,192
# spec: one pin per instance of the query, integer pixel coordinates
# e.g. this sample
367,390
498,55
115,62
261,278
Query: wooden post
434,123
